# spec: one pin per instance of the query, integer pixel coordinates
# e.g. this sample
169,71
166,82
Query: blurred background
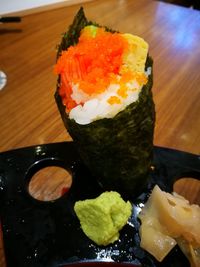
31,6
25,7
187,3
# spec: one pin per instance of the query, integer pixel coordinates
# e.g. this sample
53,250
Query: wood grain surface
28,113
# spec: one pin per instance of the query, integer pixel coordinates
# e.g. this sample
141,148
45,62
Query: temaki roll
105,100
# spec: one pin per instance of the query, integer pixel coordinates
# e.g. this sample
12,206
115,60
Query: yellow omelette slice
135,58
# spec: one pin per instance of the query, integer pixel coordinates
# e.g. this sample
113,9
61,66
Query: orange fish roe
95,63
92,64
114,100
122,91
141,78
127,76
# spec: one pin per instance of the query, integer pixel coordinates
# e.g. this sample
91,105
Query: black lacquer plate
48,234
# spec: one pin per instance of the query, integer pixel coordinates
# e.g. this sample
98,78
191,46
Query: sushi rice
98,107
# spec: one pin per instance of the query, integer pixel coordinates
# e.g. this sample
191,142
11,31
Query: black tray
47,234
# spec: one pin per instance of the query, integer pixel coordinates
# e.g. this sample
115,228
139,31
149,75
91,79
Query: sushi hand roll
105,100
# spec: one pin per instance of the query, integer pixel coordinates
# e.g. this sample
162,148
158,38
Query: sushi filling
102,74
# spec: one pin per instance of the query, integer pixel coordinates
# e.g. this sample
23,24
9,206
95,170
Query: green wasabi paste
102,218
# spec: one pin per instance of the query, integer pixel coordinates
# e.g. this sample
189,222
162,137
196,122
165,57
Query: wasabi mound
102,218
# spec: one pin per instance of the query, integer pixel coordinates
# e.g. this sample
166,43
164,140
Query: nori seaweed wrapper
118,150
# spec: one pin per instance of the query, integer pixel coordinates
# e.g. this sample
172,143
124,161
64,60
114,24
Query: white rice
96,107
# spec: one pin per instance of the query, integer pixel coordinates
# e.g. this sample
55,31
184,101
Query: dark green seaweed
117,151
71,36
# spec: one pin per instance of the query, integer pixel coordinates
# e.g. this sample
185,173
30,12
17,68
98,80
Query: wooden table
28,113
